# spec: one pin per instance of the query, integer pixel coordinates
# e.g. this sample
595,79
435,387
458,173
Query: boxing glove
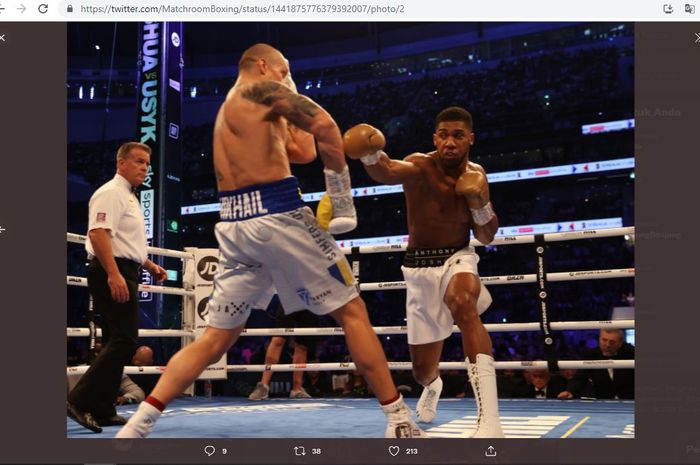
364,142
324,212
474,186
343,216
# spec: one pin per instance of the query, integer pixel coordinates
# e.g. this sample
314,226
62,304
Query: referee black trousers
98,388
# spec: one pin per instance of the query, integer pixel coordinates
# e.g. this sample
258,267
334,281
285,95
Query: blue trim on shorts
260,200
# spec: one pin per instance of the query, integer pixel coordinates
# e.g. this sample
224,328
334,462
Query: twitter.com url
240,10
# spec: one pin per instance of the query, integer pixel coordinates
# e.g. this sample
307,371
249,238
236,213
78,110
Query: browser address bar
343,10
233,10
271,9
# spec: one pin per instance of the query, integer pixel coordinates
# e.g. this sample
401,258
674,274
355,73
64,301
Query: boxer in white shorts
268,238
427,273
287,251
447,196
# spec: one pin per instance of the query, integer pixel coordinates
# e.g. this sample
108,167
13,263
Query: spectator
610,383
541,385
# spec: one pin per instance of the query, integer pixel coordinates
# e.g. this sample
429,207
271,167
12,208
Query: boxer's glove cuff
372,159
340,193
483,215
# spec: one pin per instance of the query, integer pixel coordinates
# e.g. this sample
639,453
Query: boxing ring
521,418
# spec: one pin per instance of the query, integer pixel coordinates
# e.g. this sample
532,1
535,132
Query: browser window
337,233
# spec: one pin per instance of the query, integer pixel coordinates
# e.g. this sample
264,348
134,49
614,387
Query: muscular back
249,141
437,216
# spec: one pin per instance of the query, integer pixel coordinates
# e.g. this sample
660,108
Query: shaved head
259,52
143,356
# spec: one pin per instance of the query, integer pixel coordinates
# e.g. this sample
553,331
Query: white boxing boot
427,404
482,376
399,422
141,423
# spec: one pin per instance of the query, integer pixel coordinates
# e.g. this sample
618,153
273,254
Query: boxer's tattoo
264,93
301,107
219,176
268,93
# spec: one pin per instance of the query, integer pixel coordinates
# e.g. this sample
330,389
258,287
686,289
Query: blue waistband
260,200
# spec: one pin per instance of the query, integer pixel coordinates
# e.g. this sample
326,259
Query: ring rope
520,278
523,365
383,330
506,240
81,239
349,366
78,281
390,285
82,332
364,249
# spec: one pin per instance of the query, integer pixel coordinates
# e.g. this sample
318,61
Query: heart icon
393,450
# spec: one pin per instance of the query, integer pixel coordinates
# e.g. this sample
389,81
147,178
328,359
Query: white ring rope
364,249
80,239
382,330
391,285
84,332
507,240
528,365
78,281
520,278
488,280
349,366
491,327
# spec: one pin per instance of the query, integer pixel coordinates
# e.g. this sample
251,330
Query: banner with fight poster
200,273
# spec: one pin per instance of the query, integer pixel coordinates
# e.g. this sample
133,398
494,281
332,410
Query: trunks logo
340,270
242,206
304,295
208,267
101,217
203,308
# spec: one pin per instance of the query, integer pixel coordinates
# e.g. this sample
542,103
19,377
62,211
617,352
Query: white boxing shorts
268,240
427,273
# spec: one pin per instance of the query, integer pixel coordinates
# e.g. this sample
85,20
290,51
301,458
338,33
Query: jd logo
202,308
208,267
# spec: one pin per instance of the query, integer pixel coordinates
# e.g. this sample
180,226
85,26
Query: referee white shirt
114,207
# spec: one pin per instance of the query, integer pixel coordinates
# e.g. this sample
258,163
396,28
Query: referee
116,248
